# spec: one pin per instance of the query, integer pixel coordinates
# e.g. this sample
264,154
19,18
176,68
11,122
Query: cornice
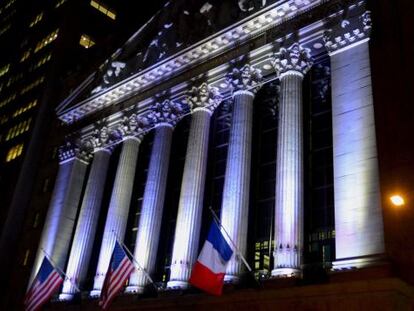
348,30
72,149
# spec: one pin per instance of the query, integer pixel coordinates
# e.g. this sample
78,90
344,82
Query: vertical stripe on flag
45,284
119,270
210,267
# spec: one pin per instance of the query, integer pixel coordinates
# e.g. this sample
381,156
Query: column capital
100,138
203,97
294,59
345,33
165,112
131,125
245,78
74,149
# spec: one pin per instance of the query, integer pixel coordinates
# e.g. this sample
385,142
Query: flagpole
60,270
217,220
137,265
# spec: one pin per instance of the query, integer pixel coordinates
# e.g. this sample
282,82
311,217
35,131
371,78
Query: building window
7,5
36,20
103,9
3,119
5,29
25,55
45,186
7,100
59,3
14,152
26,257
25,108
41,62
54,153
47,40
14,79
4,70
32,85
18,129
86,41
36,220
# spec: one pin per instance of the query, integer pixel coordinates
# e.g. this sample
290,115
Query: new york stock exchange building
259,111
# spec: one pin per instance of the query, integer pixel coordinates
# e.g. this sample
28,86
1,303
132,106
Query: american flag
119,270
45,284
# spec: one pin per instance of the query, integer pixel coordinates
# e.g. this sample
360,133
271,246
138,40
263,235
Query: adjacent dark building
47,48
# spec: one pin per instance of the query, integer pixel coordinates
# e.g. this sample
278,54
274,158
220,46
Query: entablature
253,41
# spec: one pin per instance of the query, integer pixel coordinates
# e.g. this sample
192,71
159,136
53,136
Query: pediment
175,27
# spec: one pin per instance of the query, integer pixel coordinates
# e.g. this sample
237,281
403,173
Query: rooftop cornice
202,51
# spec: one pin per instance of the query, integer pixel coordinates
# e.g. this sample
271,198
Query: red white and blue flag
210,267
119,270
45,284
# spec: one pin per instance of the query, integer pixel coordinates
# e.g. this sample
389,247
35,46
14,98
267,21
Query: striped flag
119,270
210,267
47,281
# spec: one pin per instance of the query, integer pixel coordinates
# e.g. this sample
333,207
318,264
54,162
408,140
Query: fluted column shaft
86,226
190,207
358,216
60,219
236,192
152,207
289,177
117,217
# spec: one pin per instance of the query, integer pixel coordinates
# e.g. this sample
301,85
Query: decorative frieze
73,148
347,32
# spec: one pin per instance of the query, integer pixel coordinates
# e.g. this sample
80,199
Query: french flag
210,267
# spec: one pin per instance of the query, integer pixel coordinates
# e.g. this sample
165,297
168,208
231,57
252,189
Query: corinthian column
291,64
88,216
163,115
236,192
203,100
359,232
116,219
61,215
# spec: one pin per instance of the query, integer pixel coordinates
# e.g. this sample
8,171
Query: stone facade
229,67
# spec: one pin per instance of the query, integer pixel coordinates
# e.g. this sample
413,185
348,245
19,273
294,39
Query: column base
358,262
66,297
231,279
286,273
175,285
95,293
134,289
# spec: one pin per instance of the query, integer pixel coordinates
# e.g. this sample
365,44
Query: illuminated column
236,192
117,216
88,216
61,215
291,65
163,115
358,217
203,100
